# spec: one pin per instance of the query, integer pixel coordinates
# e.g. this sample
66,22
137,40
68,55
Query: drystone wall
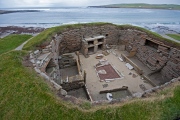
154,54
72,40
172,68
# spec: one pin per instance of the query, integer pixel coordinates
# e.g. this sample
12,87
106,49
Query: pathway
165,36
22,45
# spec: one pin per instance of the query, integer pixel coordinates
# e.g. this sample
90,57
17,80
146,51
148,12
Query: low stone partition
88,93
154,89
138,70
54,84
146,78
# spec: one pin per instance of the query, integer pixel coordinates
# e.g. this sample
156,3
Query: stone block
63,92
137,95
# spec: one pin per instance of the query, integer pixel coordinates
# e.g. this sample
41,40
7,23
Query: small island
141,6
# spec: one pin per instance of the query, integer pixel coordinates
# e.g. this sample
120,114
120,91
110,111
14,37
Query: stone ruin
55,60
92,44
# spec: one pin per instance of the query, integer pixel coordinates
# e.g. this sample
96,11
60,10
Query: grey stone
148,91
63,92
58,87
174,80
37,70
36,52
44,76
138,95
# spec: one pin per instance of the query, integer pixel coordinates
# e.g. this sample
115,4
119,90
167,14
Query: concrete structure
153,60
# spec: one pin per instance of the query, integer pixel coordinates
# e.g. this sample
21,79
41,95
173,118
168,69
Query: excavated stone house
160,57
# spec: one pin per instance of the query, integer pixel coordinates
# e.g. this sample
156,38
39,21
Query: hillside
141,6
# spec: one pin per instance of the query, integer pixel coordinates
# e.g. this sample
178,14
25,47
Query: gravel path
22,45
165,36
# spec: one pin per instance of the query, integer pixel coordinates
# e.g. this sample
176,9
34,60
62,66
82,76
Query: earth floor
94,85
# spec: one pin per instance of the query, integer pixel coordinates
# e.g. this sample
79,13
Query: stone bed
110,74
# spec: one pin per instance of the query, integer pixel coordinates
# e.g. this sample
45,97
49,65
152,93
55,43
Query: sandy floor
78,93
95,86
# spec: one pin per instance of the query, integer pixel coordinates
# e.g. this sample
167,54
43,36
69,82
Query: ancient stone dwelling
158,56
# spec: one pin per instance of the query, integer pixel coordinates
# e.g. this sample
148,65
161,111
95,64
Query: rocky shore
5,31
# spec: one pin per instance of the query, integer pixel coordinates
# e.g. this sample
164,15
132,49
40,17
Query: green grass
151,34
143,6
11,42
24,95
175,36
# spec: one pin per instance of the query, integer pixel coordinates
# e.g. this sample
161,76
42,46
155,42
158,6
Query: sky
68,3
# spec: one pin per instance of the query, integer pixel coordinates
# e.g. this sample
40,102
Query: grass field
26,96
11,42
175,36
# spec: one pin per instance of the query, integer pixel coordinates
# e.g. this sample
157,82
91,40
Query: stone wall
72,40
154,54
172,68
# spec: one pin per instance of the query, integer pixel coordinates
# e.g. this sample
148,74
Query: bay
161,21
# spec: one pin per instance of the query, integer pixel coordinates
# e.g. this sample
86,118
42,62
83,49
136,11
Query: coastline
132,8
5,31
15,11
141,6
8,30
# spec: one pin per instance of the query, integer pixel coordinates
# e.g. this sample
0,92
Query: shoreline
15,11
5,31
141,6
132,8
34,30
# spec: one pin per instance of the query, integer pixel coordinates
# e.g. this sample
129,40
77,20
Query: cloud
46,3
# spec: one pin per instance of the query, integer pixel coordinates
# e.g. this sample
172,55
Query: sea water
153,19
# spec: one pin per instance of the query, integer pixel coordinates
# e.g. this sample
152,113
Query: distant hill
141,6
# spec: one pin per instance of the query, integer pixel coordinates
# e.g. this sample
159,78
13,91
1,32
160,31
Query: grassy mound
25,95
152,35
11,42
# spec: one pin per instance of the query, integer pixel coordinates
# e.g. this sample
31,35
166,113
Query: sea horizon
151,19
